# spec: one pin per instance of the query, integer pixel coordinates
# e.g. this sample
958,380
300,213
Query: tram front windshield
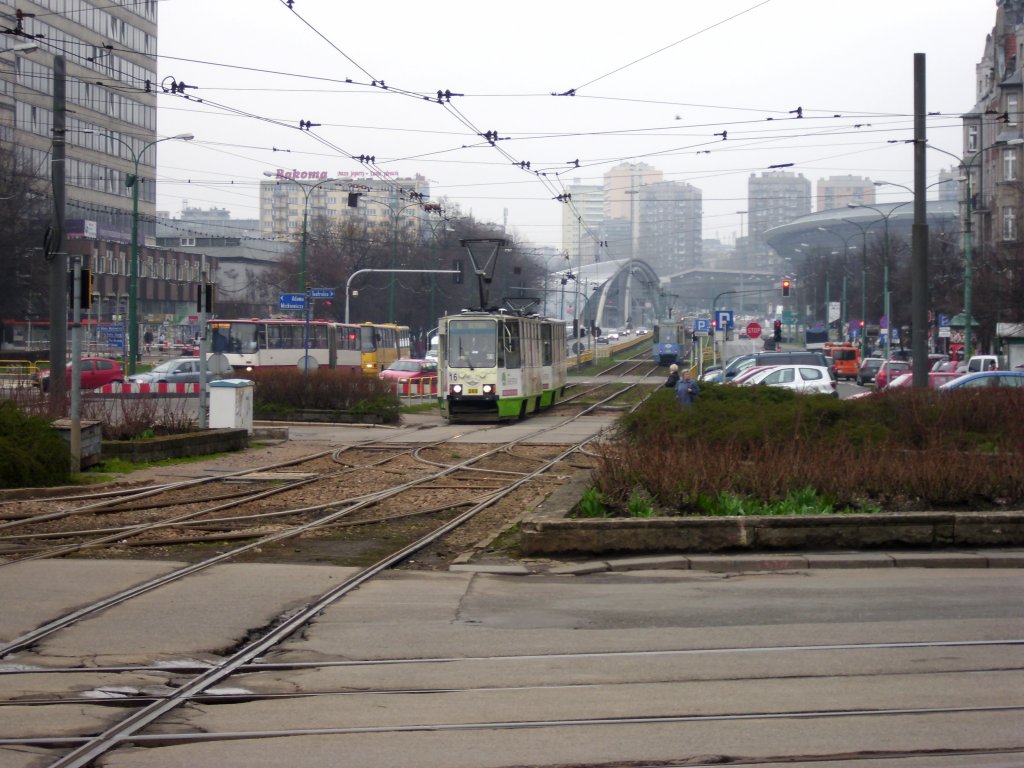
471,344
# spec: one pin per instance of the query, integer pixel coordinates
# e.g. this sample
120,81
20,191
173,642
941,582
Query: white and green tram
499,365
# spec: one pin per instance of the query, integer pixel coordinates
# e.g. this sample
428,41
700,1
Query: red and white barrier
422,386
128,388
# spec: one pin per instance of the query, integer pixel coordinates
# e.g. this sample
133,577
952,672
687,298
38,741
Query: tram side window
545,341
511,345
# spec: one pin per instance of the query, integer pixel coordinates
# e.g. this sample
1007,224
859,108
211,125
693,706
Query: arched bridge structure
620,293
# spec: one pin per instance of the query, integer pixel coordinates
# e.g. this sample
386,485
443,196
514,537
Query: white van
982,363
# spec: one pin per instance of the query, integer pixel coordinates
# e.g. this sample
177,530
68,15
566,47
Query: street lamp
968,230
396,214
307,191
885,267
842,311
863,285
133,280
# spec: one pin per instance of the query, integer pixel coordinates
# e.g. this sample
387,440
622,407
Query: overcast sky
654,82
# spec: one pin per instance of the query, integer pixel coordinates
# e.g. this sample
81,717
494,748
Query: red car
889,370
96,371
409,368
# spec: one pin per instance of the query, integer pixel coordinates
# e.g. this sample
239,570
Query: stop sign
753,330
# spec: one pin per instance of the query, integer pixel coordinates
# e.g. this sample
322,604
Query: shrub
905,449
279,392
31,452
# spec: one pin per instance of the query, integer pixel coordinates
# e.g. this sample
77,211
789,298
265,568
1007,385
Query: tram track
349,506
585,692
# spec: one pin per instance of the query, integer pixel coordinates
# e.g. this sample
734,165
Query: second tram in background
669,343
499,365
275,343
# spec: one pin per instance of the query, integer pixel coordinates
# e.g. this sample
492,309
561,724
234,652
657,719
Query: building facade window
1009,165
1012,108
972,138
1009,224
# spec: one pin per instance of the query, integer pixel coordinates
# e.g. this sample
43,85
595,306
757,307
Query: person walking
673,376
687,390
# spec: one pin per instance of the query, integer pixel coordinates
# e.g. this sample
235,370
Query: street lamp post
863,285
307,191
842,308
968,230
133,279
396,214
885,268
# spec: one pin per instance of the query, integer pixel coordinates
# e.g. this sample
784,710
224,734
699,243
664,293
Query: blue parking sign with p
723,319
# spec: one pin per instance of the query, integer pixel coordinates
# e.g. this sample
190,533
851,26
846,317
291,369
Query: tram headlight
488,389
456,389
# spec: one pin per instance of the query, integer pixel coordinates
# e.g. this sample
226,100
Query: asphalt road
852,669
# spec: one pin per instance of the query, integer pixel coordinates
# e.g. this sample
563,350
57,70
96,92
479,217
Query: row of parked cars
943,373
805,372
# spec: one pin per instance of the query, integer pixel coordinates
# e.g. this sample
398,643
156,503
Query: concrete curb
549,530
748,563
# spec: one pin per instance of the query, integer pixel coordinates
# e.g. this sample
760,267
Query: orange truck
845,359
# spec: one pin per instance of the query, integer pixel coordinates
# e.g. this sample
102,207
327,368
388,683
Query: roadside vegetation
761,450
284,393
31,452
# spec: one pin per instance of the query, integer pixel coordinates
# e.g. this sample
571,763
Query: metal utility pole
76,366
919,241
54,249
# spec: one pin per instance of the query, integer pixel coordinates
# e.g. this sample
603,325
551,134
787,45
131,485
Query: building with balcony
359,200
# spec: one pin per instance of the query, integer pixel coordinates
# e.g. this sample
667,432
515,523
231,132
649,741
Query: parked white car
806,379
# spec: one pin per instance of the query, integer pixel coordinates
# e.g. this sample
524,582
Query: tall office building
840,191
669,226
110,53
581,222
622,185
774,198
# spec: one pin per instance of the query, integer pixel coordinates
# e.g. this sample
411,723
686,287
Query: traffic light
85,295
786,284
778,330
204,298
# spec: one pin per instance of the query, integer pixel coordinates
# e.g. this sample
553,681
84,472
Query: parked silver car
178,370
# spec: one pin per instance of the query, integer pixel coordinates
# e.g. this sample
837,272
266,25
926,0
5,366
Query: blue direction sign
112,335
321,293
291,301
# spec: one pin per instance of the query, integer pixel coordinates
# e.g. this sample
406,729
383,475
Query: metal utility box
231,404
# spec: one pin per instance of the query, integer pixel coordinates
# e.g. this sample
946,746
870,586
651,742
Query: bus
256,343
